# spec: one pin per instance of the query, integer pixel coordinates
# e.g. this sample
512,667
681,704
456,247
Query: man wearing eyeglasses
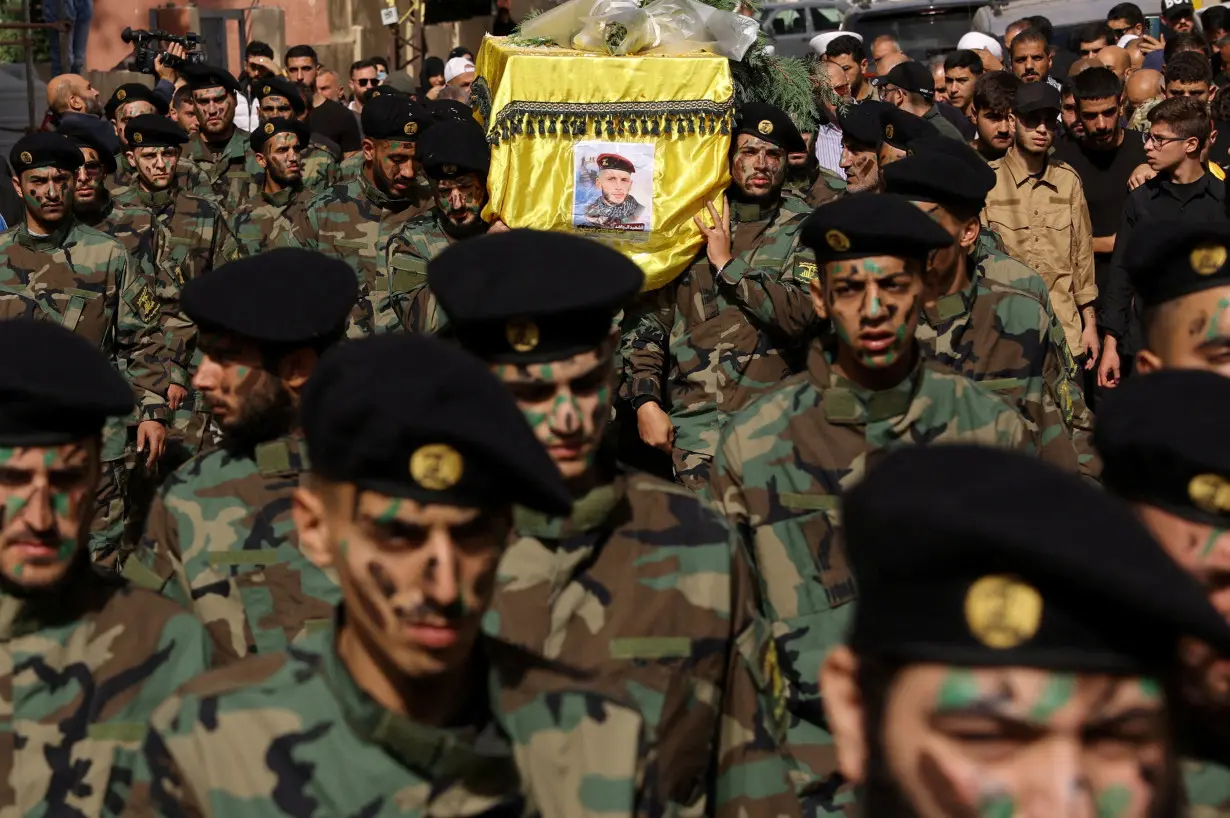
1179,129
364,76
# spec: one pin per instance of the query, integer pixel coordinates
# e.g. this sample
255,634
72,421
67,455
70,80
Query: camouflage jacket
223,177
644,593
86,667
1001,337
320,172
187,174
355,222
1207,785
351,168
292,734
220,541
88,283
419,241
780,469
723,338
268,220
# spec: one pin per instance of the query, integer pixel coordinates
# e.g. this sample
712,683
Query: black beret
84,137
135,92
771,124
282,297
862,122
43,150
1174,258
940,178
1180,464
386,90
265,130
153,131
1068,581
526,296
910,76
200,77
454,147
278,87
902,129
444,109
394,116
412,416
55,386
1036,96
871,224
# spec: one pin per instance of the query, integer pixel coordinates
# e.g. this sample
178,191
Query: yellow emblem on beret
1210,492
765,127
137,138
411,128
267,90
1207,259
436,466
522,336
26,158
837,240
888,131
449,170
268,128
121,95
1002,611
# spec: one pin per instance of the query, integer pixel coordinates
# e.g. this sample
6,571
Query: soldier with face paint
280,99
787,457
418,455
220,538
193,236
985,673
456,158
219,148
128,102
723,331
989,331
357,220
87,656
1176,475
642,590
269,219
56,268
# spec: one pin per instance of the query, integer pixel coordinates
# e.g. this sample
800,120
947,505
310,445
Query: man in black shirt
1179,129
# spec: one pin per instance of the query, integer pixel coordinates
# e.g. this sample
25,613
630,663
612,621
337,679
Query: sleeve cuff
734,271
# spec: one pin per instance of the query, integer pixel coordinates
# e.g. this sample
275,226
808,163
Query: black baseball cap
909,76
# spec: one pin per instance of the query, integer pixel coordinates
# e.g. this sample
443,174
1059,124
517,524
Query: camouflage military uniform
268,220
419,241
187,174
86,666
828,186
1001,337
722,339
225,177
221,541
88,283
351,168
320,172
644,592
293,734
355,222
781,467
1207,786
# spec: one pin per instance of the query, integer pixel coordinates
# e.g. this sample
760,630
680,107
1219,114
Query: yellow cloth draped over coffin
622,149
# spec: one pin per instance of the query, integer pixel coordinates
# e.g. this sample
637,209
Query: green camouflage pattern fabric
782,465
187,174
320,172
1001,337
419,241
223,176
220,541
719,340
351,168
268,220
1207,786
356,222
293,734
645,595
85,667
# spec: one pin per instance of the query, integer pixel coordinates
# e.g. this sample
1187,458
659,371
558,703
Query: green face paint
390,512
959,690
49,457
1210,542
875,307
1000,805
1113,801
1055,696
242,371
13,507
7,453
1151,688
1215,322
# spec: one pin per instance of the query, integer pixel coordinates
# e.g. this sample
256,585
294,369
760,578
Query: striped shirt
828,148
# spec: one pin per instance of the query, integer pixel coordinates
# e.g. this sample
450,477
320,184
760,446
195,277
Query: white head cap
977,40
820,42
456,67
1127,38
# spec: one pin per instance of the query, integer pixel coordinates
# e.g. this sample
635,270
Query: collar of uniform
379,198
281,198
438,754
588,512
845,403
949,306
285,456
155,199
100,216
235,148
1185,193
743,212
43,243
23,615
1020,174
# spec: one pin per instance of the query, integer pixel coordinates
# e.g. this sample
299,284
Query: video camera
145,49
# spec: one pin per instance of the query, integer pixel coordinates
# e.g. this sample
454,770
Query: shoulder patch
145,304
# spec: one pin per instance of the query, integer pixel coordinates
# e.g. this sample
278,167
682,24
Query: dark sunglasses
364,83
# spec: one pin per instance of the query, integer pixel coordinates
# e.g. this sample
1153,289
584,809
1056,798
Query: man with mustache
192,237
994,93
277,98
420,462
1030,56
268,220
88,656
722,332
219,148
456,156
220,539
128,102
54,267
